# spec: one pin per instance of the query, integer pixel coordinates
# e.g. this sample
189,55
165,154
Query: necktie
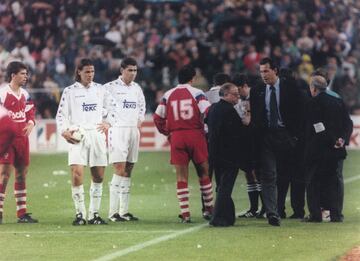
274,114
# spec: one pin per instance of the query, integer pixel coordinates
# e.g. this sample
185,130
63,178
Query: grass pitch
158,235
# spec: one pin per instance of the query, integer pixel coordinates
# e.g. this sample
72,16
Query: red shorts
188,145
18,152
7,133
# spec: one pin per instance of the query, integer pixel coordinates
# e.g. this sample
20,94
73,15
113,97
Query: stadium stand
230,36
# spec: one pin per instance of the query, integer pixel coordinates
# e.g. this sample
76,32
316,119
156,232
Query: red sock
206,192
2,199
20,198
183,197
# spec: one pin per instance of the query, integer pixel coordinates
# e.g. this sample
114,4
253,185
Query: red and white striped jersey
20,107
181,108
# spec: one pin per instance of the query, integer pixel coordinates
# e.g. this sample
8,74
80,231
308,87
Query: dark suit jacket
226,132
330,112
290,108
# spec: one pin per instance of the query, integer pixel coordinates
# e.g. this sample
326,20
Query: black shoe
128,217
282,214
336,219
296,216
261,214
184,219
311,220
219,224
79,221
116,218
26,218
207,215
248,214
97,220
274,221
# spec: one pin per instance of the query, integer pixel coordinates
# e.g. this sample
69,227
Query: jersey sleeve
142,105
109,107
63,113
29,108
202,102
159,117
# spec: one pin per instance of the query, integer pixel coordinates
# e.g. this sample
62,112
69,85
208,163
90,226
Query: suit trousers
276,166
224,210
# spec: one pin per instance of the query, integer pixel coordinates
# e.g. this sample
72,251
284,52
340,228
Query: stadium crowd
230,36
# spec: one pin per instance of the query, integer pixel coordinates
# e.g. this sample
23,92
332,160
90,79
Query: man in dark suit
225,129
327,128
275,107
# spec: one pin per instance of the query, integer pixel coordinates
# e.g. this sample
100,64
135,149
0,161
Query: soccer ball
78,134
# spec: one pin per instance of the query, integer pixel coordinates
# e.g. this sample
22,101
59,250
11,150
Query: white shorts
90,151
123,144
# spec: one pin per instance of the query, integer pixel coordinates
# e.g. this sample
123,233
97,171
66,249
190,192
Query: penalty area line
152,242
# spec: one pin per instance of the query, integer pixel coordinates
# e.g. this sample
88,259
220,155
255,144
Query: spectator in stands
209,34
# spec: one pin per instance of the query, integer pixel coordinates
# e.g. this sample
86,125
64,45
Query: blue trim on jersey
198,97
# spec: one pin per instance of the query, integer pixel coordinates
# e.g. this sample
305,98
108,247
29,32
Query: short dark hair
271,63
221,78
13,68
83,62
128,61
186,74
240,79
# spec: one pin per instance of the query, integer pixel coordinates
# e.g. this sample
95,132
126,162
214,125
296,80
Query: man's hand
68,136
28,128
103,127
339,143
139,124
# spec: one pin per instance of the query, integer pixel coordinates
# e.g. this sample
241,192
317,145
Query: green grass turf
153,200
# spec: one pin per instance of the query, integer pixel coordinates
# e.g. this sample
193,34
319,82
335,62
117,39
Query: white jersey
213,94
84,107
130,103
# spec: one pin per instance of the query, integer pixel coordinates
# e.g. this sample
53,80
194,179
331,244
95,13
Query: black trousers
325,181
224,209
276,166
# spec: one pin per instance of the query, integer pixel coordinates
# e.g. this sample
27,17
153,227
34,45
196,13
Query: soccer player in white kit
86,106
124,138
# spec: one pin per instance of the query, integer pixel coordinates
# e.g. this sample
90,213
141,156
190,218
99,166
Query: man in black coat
276,116
328,127
225,129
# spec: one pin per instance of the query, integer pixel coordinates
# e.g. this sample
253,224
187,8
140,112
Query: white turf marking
158,240
90,232
145,244
348,180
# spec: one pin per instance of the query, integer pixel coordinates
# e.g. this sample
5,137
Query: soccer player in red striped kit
180,117
21,110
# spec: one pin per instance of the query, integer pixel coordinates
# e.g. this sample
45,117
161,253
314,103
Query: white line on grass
158,240
348,180
91,232
145,244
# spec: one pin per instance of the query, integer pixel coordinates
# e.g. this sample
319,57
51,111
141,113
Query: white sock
124,195
114,195
78,197
95,198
